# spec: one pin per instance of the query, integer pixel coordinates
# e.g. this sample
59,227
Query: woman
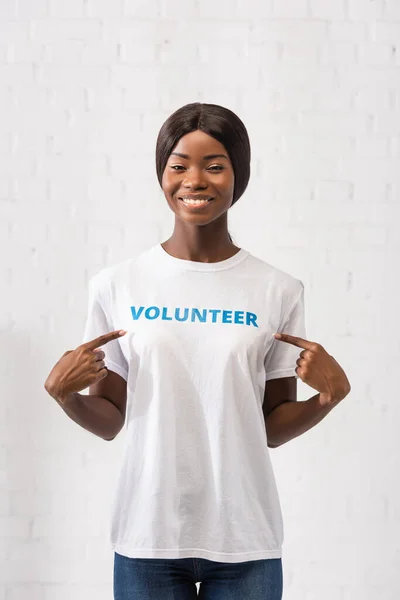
199,380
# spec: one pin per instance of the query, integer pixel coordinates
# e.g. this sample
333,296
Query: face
198,168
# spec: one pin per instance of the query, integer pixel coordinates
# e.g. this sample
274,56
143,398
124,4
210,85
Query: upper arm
278,391
113,388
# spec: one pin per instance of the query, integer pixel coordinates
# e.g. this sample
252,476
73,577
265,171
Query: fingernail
122,332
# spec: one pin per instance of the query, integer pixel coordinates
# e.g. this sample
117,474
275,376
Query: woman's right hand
78,369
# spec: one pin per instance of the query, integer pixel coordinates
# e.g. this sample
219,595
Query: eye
215,168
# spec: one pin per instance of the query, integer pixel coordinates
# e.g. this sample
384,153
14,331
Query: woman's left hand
319,370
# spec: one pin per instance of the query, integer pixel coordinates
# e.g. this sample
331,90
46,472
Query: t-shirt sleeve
281,358
99,322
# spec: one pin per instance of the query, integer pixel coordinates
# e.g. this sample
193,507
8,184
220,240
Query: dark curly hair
217,121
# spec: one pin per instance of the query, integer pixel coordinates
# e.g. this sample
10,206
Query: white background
85,86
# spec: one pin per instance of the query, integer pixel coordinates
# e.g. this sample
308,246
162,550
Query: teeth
187,201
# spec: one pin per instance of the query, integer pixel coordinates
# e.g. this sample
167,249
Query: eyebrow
207,157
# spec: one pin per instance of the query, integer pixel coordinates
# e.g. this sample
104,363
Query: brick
150,9
210,52
32,10
98,101
287,9
333,191
104,8
386,122
26,52
12,30
29,590
138,52
23,505
74,99
16,74
99,53
78,528
64,52
6,141
14,527
325,9
369,235
211,30
128,29
6,53
226,10
355,166
385,32
346,31
391,10
34,143
333,99
327,592
79,592
359,10
74,76
288,31
16,166
45,121
345,122
73,9
4,504
337,53
375,54
246,8
372,145
8,9
53,30
58,166
6,99
177,53
368,98
300,53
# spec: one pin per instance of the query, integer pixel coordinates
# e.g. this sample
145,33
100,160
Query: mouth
195,202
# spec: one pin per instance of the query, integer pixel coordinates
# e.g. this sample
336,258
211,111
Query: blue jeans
176,578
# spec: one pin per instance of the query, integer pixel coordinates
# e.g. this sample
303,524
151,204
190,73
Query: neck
199,244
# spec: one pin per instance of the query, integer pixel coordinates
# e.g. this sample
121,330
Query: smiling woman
188,371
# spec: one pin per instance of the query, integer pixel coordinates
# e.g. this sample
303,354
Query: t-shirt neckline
192,265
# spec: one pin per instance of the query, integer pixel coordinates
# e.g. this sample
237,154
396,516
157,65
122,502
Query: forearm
291,419
94,413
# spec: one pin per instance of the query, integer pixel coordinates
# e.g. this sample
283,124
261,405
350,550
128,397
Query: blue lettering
164,314
201,318
156,312
136,315
202,315
251,318
214,312
239,314
226,315
184,318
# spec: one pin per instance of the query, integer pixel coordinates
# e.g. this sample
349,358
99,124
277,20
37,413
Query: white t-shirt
196,478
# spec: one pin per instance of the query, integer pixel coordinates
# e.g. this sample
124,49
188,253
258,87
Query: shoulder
280,291
107,278
275,277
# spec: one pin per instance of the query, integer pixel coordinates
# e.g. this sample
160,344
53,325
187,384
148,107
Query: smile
195,203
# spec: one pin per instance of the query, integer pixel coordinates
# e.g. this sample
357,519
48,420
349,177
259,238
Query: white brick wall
84,89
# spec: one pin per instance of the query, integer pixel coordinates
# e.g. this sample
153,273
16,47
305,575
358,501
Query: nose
194,179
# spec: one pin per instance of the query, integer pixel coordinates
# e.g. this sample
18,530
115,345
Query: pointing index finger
104,339
294,340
